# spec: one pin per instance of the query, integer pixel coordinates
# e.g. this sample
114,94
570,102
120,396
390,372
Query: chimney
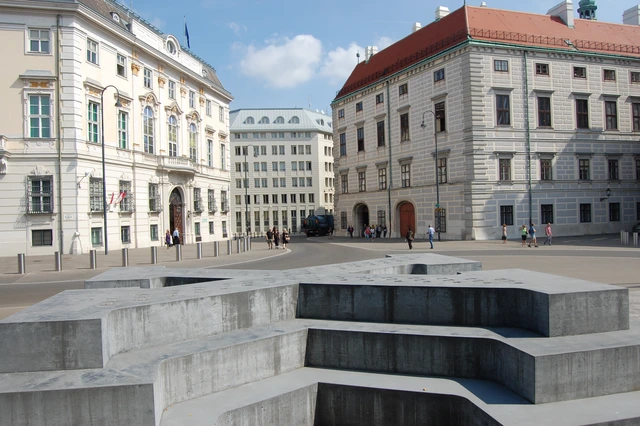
563,11
369,52
441,12
483,4
416,27
631,16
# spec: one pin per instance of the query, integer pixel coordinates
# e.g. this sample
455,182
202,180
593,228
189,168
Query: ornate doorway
175,213
407,219
362,219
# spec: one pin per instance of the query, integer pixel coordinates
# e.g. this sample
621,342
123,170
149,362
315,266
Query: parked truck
317,225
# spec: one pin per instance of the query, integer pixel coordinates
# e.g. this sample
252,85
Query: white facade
510,147
287,173
64,61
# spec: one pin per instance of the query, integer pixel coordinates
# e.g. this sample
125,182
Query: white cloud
237,28
384,42
340,62
284,64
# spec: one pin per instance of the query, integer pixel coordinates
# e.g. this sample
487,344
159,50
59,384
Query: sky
299,53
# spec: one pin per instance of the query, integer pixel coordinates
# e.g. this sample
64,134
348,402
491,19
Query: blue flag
186,34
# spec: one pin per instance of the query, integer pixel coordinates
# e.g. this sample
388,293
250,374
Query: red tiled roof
503,26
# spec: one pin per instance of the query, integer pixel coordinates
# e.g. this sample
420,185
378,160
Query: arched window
193,137
294,120
264,120
249,120
279,120
148,130
173,136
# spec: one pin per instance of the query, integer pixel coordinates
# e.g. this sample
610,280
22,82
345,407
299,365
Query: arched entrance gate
407,218
175,212
362,219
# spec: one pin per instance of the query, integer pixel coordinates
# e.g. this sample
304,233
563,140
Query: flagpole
184,33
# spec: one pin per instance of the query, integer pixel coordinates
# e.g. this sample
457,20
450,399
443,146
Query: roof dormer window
115,17
171,47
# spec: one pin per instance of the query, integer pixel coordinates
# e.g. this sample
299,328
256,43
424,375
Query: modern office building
282,167
96,101
520,117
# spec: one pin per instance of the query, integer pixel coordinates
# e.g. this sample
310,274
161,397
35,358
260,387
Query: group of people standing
370,232
528,235
275,239
171,240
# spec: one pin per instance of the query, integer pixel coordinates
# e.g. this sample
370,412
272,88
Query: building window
148,130
153,232
283,198
40,194
506,215
312,198
275,218
362,182
121,65
503,111
343,220
546,213
379,98
380,128
303,199
635,76
221,114
613,169
344,182
154,197
92,51
126,202
441,220
614,212
500,65
442,170
637,168
281,150
544,111
223,157
172,135
343,144
192,99
148,78
440,117
359,107
542,69
438,75
382,218
341,113
504,169
224,229
123,130
172,89
96,202
404,127
294,200
193,142
96,236
579,72
212,229
609,75
582,114
39,116
196,229
635,115
39,41
42,237
238,222
403,89
93,123
224,202
382,178
583,169
545,169
209,153
405,174
611,113
360,134
585,213
307,149
125,234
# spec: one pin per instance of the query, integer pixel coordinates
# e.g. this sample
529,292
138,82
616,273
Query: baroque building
97,101
536,118
282,167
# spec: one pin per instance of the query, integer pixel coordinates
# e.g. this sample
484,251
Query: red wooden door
407,219
175,213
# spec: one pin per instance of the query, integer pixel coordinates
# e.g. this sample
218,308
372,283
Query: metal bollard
57,259
21,264
125,257
250,243
228,247
238,246
216,248
154,255
199,250
636,239
93,259
178,252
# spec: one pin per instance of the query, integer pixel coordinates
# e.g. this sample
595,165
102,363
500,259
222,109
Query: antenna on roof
358,56
309,100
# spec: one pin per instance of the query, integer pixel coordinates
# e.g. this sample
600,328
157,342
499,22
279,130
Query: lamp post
435,137
246,186
104,173
608,193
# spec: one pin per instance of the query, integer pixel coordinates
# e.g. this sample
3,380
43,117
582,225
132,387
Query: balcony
177,164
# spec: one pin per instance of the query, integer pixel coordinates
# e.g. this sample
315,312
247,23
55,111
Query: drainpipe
527,132
390,174
58,137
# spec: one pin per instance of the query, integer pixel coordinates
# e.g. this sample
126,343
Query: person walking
504,233
384,231
270,239
523,232
285,238
431,232
409,238
176,237
532,232
276,237
350,231
167,239
330,232
548,233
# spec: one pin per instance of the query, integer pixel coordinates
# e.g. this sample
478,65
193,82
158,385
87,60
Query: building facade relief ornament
183,91
161,82
135,68
39,84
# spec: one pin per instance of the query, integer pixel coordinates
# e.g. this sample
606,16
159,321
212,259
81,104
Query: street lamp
246,185
104,173
435,137
608,192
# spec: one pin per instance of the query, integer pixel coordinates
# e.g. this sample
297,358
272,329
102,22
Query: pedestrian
384,231
548,233
532,232
330,232
378,231
176,237
350,231
431,232
285,238
276,237
409,238
167,239
523,232
504,233
367,232
270,239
